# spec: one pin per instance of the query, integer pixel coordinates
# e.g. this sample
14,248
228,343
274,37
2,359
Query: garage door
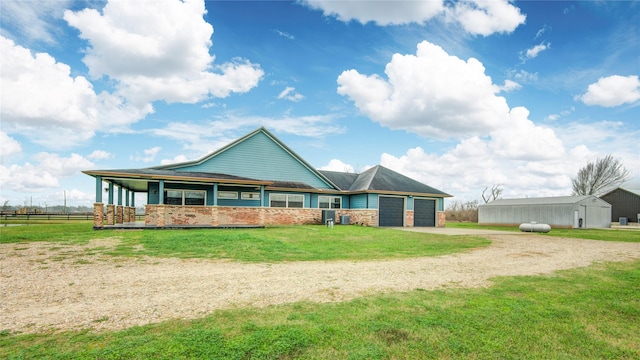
424,212
390,211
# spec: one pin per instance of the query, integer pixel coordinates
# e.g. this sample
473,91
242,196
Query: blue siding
358,201
373,201
409,202
153,198
258,157
345,202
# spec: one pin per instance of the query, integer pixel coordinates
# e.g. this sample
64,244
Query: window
194,197
295,201
250,196
227,195
286,200
173,197
184,197
330,202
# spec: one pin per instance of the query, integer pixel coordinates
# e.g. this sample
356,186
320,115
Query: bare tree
596,178
496,192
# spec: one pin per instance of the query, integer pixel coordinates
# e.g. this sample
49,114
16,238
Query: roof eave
124,175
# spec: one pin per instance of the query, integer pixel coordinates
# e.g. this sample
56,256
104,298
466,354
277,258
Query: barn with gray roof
559,212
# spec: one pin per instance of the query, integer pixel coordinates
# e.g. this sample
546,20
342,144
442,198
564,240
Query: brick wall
368,217
285,216
164,215
236,215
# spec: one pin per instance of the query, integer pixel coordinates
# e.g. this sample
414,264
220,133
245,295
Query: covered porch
198,193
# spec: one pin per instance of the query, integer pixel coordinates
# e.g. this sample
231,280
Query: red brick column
119,214
98,215
161,215
132,214
408,218
111,213
442,219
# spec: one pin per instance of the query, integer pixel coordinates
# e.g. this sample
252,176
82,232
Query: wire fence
51,217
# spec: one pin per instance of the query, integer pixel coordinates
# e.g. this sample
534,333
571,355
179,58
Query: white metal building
559,212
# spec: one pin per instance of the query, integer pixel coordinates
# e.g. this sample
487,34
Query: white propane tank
534,227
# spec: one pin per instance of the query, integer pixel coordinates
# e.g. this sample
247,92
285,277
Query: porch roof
137,179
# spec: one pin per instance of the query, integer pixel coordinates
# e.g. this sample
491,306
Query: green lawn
587,234
276,244
588,313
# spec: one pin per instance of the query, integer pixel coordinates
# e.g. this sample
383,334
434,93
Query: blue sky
460,95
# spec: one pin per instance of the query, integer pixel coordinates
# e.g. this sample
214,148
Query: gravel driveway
48,286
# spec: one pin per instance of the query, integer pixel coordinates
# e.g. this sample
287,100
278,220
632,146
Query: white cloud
381,12
99,155
159,50
478,17
285,34
175,160
542,31
289,94
43,102
612,91
510,85
204,137
523,76
44,174
486,17
431,93
474,163
34,20
338,165
8,146
534,51
521,139
149,155
60,166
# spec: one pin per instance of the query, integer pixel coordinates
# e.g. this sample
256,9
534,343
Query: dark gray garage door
390,211
424,212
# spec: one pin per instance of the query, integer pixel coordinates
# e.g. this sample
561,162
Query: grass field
587,313
292,243
631,235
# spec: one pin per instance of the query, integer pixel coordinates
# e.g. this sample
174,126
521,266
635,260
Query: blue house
256,181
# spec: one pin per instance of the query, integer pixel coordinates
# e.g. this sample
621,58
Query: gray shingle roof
380,178
171,173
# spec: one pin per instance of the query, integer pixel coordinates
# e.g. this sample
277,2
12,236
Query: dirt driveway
46,286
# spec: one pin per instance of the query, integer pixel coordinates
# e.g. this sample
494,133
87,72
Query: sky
460,95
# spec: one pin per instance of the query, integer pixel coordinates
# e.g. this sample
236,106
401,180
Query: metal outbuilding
625,203
586,211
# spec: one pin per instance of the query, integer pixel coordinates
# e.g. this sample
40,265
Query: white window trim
250,196
228,195
286,200
182,191
330,200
